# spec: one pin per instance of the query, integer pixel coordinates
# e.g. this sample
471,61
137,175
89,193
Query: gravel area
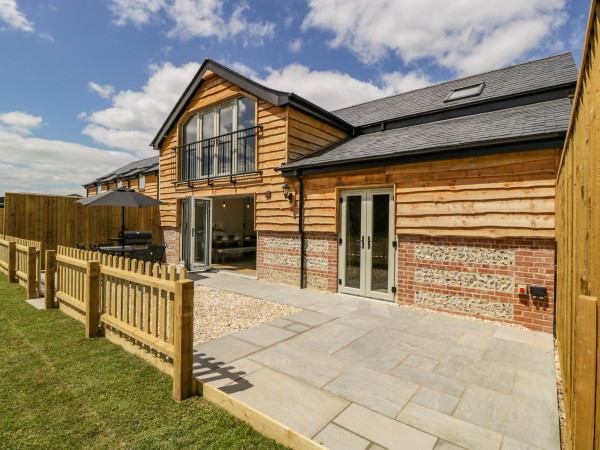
218,313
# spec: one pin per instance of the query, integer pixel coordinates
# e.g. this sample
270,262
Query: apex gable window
219,141
469,91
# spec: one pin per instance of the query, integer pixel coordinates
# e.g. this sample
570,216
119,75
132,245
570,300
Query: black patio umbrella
121,197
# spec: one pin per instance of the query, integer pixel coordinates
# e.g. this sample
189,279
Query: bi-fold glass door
366,251
196,215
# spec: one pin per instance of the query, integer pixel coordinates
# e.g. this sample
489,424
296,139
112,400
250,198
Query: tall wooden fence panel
578,256
2,220
57,220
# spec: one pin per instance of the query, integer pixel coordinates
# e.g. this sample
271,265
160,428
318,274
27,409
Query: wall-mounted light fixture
287,194
268,195
224,204
247,205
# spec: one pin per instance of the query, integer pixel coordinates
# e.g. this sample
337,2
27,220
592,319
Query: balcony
228,155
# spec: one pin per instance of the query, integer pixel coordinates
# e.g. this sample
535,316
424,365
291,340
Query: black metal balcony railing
221,156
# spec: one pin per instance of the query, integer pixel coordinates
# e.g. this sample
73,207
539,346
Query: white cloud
30,164
20,122
105,91
466,36
9,13
135,116
332,90
194,18
295,46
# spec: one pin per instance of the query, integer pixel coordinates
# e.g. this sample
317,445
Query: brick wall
171,237
278,259
478,277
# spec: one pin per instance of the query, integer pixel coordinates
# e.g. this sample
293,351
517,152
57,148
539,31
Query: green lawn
58,389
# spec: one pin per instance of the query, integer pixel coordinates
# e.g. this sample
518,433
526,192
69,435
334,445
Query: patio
356,373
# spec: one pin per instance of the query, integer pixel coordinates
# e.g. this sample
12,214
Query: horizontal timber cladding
479,277
496,196
286,135
278,259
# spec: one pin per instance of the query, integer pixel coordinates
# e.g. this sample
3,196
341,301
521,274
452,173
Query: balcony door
366,251
196,227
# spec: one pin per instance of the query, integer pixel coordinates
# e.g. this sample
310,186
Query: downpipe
301,226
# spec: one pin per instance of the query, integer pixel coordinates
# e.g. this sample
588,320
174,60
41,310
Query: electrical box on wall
522,289
538,291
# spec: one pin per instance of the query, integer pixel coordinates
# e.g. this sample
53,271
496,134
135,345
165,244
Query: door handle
362,242
369,243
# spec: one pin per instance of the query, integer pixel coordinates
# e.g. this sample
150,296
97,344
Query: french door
196,230
366,250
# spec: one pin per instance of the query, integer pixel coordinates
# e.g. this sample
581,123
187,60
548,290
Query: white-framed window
119,183
141,182
229,155
98,188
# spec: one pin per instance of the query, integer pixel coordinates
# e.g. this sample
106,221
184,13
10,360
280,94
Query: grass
59,389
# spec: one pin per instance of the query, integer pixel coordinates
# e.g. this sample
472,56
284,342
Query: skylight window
469,91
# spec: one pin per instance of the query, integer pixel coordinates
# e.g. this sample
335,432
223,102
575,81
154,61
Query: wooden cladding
508,195
56,220
578,238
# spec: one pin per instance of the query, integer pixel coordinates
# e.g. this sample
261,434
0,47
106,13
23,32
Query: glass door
366,253
196,232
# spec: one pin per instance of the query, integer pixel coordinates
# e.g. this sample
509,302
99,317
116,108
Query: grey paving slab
522,356
264,335
361,321
431,330
410,343
312,318
338,310
430,380
437,400
329,337
219,375
281,322
303,408
463,324
513,444
421,362
384,431
313,367
466,351
374,390
537,388
445,445
298,327
371,354
449,428
524,420
336,438
543,340
474,341
37,303
487,374
225,349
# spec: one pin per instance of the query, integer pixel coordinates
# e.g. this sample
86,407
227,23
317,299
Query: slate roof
133,169
532,76
511,124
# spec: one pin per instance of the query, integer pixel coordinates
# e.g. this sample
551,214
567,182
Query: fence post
12,262
31,273
183,340
92,299
585,371
50,288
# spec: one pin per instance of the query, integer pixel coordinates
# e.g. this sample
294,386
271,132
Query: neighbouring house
442,197
139,175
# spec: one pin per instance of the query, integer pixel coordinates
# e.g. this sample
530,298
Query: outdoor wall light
224,204
268,195
286,193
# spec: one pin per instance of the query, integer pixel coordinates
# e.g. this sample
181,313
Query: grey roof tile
509,81
148,165
539,119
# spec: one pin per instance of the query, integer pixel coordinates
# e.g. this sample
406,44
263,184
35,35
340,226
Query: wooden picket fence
21,260
145,308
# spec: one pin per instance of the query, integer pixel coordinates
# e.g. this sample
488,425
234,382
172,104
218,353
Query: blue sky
85,84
